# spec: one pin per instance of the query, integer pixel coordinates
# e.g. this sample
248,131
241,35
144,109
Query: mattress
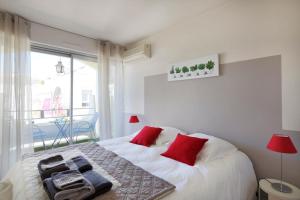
229,178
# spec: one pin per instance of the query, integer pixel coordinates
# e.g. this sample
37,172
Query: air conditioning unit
138,52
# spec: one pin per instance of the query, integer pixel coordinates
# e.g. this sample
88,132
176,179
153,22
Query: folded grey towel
77,193
67,179
100,184
57,164
55,168
52,165
79,163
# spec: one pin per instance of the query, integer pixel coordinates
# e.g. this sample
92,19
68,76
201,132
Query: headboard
242,105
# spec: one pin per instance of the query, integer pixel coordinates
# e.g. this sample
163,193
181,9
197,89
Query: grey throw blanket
136,183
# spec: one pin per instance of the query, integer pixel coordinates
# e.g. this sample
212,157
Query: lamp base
281,187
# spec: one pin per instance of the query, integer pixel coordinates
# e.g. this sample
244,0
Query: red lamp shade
282,144
134,119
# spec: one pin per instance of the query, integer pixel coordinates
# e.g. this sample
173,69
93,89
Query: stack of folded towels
73,179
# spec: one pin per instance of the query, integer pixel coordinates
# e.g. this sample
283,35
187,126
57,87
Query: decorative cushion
147,136
185,149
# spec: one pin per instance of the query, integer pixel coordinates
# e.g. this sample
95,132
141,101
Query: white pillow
215,148
167,135
134,134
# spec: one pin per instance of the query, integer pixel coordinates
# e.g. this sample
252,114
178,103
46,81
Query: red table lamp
134,119
282,144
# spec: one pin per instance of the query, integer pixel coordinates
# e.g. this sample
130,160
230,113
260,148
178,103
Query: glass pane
85,113
51,91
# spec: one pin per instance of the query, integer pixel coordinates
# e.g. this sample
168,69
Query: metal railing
58,113
49,131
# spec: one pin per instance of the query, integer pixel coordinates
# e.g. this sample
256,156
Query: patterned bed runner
135,183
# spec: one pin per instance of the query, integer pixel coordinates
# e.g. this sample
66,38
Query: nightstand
265,185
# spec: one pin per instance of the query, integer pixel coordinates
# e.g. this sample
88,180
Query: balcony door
64,92
85,94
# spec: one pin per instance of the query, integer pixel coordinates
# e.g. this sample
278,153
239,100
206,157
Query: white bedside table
276,195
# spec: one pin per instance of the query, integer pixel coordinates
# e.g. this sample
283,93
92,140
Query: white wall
59,38
238,30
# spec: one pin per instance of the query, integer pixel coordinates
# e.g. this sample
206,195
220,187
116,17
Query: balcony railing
46,130
58,113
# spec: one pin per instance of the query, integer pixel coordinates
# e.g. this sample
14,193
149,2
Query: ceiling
120,21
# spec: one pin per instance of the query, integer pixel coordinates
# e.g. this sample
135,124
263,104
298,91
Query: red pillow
147,136
185,149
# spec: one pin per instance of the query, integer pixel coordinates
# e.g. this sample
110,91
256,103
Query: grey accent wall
242,105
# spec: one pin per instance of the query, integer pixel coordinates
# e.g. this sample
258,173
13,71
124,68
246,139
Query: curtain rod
4,11
102,41
63,30
60,51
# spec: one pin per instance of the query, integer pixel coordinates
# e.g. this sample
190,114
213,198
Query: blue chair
86,126
38,134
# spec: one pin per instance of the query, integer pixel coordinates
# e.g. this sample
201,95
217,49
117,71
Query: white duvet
228,178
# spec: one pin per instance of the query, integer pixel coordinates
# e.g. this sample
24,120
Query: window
64,96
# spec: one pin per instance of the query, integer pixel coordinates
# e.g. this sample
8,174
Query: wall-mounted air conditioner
138,52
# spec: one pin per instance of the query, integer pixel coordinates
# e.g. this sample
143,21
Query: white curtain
15,90
111,104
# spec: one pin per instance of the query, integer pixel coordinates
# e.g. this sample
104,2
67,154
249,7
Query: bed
228,177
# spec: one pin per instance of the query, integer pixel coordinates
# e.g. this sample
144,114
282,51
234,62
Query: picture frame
203,67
